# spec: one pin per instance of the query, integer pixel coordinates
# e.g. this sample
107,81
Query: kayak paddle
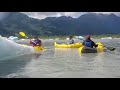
23,34
110,48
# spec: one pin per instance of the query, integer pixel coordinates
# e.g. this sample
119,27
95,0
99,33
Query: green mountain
90,23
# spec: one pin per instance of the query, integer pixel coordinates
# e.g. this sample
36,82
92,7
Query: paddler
71,41
36,42
89,43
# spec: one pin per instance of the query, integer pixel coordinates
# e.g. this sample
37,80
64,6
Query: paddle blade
111,48
22,34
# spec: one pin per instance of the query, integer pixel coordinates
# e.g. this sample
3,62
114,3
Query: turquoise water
62,63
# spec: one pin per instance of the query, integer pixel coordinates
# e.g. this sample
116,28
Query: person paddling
36,42
89,43
71,41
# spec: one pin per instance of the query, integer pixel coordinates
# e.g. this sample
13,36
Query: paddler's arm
40,43
31,41
83,43
68,42
95,45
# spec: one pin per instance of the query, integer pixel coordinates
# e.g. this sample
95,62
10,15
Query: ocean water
17,61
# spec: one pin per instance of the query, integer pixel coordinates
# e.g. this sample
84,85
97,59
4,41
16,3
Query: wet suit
89,43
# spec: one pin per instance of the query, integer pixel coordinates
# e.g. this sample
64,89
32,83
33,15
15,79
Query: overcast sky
42,15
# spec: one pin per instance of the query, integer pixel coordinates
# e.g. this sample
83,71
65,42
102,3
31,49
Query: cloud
116,13
42,15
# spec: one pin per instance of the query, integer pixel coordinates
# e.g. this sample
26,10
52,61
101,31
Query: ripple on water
64,63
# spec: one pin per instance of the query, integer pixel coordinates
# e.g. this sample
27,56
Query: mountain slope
90,23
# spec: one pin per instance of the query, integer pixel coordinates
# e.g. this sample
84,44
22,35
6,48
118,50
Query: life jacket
35,42
88,43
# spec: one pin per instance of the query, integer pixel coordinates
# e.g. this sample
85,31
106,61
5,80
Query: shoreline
104,36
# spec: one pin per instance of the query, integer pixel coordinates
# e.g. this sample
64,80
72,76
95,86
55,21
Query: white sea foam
9,49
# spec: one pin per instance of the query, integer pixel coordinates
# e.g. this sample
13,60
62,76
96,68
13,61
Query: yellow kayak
100,48
76,45
36,48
